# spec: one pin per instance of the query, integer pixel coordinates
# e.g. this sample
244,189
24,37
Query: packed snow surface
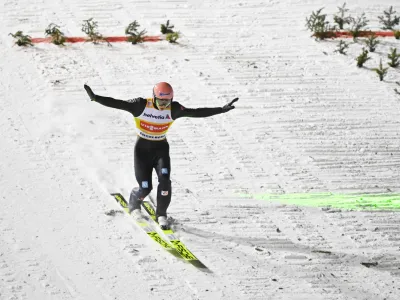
307,121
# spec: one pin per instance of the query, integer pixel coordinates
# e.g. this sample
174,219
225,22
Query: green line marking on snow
387,201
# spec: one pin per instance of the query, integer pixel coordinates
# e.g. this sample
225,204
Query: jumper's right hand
89,92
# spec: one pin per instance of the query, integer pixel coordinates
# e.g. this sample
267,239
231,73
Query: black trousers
149,155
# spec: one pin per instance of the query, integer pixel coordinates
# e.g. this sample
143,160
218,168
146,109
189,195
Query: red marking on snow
347,34
111,39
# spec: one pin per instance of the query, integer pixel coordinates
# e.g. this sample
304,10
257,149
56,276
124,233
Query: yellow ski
146,226
176,243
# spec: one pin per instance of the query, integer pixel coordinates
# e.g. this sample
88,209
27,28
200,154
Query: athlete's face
162,103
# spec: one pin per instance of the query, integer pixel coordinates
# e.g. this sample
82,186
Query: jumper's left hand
89,91
229,106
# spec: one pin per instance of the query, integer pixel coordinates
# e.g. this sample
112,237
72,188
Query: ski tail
121,201
176,243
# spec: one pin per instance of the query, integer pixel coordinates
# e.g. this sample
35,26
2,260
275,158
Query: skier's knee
141,193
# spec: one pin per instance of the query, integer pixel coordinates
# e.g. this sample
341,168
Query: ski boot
162,221
137,214
134,203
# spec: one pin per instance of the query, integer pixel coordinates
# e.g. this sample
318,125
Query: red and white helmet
163,94
163,90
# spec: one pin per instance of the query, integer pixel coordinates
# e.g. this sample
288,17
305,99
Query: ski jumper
151,149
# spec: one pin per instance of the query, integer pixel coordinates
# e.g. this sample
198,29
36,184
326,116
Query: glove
229,106
90,92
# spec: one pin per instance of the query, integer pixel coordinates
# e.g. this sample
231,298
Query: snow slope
308,120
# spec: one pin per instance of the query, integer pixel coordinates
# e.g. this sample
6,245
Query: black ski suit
154,154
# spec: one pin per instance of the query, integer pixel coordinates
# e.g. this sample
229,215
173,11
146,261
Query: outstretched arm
134,106
179,111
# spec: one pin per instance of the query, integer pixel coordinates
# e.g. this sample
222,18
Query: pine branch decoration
167,28
90,28
342,47
135,36
389,20
341,19
381,71
362,58
372,42
57,36
394,58
22,39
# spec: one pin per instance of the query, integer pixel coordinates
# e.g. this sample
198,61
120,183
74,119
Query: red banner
111,39
347,34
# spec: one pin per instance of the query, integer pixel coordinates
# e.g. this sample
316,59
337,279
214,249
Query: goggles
162,102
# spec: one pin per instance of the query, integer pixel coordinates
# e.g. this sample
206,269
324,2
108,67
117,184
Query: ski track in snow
307,120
